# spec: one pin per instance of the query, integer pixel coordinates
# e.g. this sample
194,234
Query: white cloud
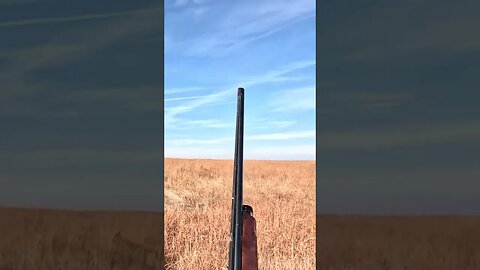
197,142
282,136
76,18
182,98
172,113
297,99
278,75
68,46
179,116
249,24
202,123
171,91
294,152
282,124
269,123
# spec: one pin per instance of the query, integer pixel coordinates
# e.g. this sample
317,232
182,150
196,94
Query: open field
397,243
73,240
198,204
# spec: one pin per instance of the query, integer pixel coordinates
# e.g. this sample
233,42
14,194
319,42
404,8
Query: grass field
198,205
398,243
197,223
71,240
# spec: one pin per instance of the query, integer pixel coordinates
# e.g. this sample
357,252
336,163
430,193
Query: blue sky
80,93
213,47
399,113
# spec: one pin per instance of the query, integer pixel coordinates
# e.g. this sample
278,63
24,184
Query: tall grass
72,240
398,243
198,205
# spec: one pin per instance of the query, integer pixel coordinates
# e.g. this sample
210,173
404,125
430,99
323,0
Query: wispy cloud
183,98
70,45
282,136
267,18
75,18
171,91
65,48
282,124
172,113
222,45
269,123
184,124
279,75
297,99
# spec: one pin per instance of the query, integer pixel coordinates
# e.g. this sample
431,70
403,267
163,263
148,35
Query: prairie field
398,242
33,239
198,208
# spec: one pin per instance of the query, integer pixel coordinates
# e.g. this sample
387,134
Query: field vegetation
198,207
33,239
398,242
197,224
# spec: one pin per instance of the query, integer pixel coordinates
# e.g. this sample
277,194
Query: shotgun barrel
241,234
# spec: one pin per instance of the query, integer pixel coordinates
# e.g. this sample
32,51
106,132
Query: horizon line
245,159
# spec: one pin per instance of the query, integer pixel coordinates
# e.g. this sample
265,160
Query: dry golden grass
198,205
398,243
72,240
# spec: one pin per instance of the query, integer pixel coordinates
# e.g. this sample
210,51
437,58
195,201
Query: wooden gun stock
249,240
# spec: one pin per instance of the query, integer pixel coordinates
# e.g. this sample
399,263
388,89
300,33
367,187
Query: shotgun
243,239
